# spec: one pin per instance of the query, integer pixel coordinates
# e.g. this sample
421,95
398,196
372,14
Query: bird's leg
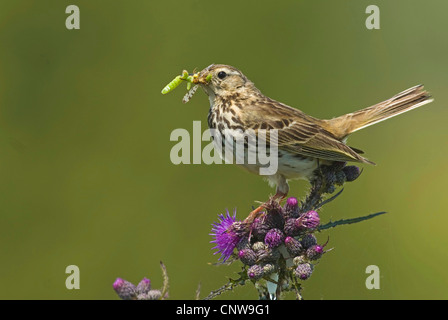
282,189
279,196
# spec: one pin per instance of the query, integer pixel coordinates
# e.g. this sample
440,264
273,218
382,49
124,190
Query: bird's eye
222,75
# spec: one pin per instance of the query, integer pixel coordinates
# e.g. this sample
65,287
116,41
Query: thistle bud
351,173
268,269
292,203
330,177
330,189
308,241
293,246
274,215
143,286
293,227
274,238
125,289
142,296
299,260
255,272
247,256
258,246
268,255
154,295
150,295
304,271
338,165
314,252
239,227
260,227
244,243
291,208
340,178
310,220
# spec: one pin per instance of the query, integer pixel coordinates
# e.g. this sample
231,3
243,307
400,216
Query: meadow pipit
304,142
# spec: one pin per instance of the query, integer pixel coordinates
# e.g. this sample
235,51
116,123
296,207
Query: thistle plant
278,249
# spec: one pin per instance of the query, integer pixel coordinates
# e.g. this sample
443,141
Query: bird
304,142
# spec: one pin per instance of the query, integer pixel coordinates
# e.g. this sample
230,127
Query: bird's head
223,80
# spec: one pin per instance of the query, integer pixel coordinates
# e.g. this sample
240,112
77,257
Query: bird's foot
279,196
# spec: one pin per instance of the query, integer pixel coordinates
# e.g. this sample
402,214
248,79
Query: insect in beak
202,79
190,78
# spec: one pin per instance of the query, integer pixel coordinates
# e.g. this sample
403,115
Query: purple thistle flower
293,246
292,203
268,255
227,233
351,173
255,272
125,289
304,271
314,252
291,208
274,238
308,241
310,220
260,227
247,256
293,227
144,286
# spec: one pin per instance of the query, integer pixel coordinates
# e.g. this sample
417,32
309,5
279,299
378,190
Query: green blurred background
85,172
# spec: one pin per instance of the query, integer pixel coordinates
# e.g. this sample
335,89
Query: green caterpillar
172,85
189,79
176,82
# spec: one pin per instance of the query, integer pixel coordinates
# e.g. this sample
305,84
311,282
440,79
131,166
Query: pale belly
289,166
285,167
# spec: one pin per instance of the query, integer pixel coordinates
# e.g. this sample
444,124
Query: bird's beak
202,77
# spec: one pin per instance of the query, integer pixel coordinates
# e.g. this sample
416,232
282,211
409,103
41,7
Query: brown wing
299,133
309,139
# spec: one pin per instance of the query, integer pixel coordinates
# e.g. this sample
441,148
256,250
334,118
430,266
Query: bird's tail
404,101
